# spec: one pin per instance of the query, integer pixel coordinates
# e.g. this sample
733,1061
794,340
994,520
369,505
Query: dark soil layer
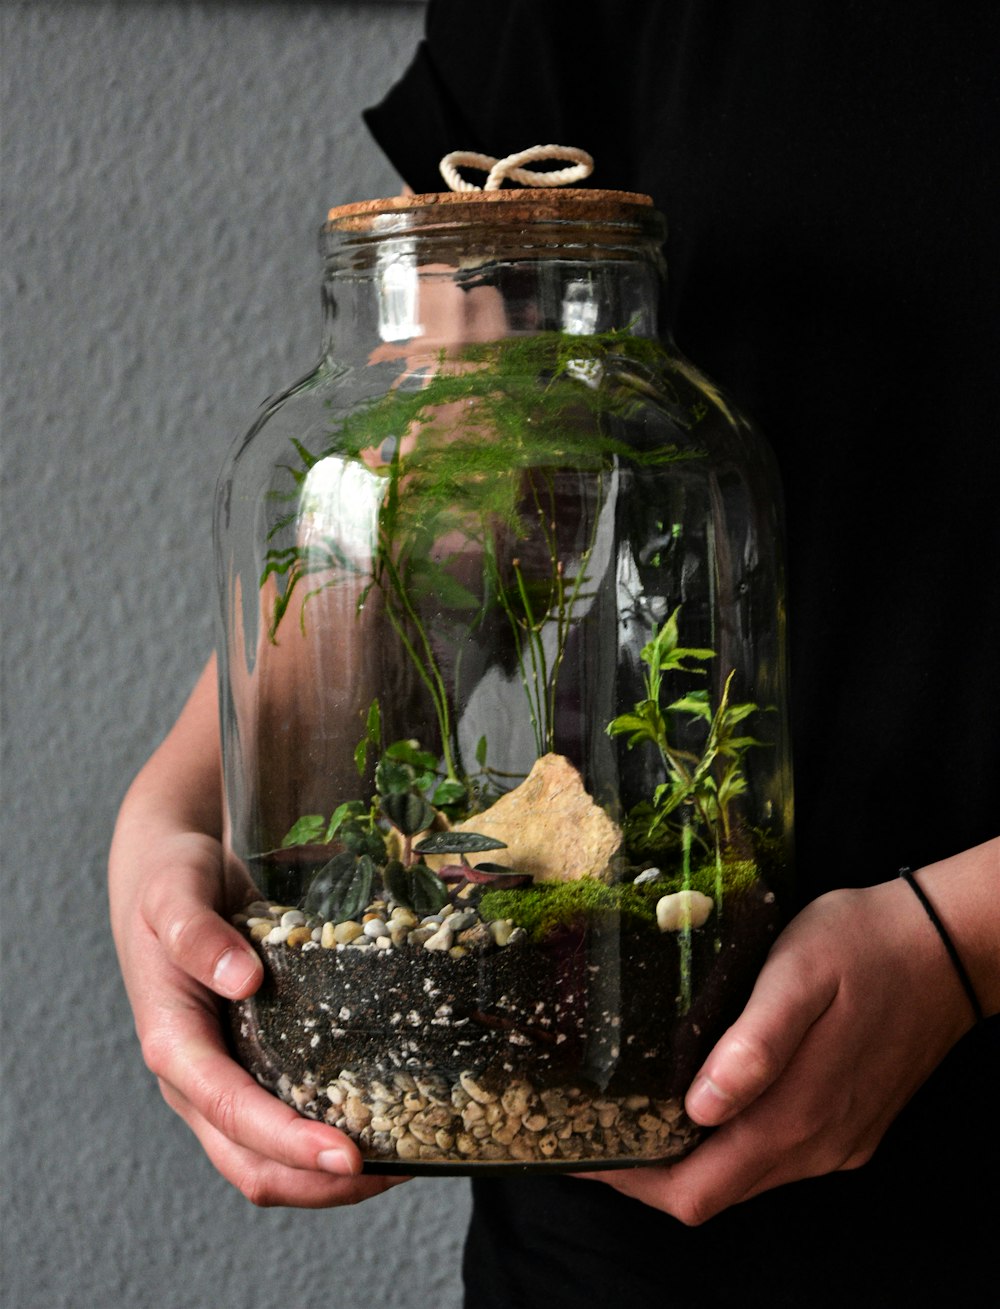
595,1005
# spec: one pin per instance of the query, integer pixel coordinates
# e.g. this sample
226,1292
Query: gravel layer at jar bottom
427,1120
574,1051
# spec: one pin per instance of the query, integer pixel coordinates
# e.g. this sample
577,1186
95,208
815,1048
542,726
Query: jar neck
424,291
435,307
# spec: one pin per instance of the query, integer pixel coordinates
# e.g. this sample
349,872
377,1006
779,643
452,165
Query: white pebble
683,909
293,918
501,929
443,939
647,875
374,928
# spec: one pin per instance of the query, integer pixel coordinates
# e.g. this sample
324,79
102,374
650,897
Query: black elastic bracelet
907,875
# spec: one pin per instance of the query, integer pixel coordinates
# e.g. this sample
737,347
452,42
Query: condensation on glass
503,695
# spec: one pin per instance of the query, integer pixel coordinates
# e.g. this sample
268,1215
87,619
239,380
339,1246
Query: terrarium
503,695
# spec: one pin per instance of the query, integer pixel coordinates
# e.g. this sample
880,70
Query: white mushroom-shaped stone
683,909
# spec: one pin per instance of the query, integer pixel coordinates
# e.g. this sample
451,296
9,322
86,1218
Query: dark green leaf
360,840
458,843
417,887
481,751
392,777
408,812
342,888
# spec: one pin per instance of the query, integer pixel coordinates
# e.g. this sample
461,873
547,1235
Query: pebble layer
457,929
428,1120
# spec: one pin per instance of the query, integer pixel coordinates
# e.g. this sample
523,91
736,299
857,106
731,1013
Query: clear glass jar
503,695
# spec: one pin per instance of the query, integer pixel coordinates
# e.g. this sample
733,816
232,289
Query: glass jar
503,695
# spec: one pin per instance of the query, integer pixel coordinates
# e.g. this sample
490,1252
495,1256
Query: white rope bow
499,169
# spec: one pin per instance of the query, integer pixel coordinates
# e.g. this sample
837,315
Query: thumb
180,904
787,999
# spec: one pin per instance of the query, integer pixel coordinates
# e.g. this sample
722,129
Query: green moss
545,907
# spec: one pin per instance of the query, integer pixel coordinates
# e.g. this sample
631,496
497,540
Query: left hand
854,1008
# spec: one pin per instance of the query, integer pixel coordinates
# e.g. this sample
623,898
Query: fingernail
706,1103
335,1160
235,973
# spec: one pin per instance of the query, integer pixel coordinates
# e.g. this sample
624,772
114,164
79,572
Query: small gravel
434,1121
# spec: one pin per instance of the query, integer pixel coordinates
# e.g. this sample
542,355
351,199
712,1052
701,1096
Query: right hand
178,954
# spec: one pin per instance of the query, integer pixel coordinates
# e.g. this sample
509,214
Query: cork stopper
524,205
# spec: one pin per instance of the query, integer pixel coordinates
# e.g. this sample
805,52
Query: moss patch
547,907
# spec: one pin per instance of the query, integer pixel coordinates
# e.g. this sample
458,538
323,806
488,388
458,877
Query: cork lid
523,205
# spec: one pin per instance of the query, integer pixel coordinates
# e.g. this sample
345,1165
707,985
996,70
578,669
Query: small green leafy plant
377,839
695,799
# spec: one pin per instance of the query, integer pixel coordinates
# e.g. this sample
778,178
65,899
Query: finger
186,1052
267,1182
742,1159
724,1170
788,998
179,904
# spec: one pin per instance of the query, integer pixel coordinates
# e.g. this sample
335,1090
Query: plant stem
685,995
429,672
538,670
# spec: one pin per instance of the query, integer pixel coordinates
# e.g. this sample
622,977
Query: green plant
694,801
404,777
483,485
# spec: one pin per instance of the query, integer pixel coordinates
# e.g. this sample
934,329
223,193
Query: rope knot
511,167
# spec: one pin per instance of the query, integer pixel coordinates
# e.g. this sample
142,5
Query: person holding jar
828,175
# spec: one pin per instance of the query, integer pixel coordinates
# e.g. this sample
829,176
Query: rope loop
510,168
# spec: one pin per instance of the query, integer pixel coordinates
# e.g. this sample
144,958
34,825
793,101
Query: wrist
964,892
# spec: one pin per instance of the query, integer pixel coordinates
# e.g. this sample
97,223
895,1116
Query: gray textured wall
165,168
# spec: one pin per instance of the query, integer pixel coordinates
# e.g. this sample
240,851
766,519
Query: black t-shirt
829,177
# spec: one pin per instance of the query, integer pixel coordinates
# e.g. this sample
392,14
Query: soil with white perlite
572,1051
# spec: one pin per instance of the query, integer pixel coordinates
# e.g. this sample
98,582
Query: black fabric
829,175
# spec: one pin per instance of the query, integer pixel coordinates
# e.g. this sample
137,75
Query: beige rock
551,826
357,1113
346,932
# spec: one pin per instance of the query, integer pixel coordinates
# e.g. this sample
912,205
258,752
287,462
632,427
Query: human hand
854,1008
178,954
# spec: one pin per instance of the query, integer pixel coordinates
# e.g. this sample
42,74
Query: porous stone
550,825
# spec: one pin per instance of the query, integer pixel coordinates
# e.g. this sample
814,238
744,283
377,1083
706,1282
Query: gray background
165,169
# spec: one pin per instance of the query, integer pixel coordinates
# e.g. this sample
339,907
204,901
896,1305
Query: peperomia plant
377,840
